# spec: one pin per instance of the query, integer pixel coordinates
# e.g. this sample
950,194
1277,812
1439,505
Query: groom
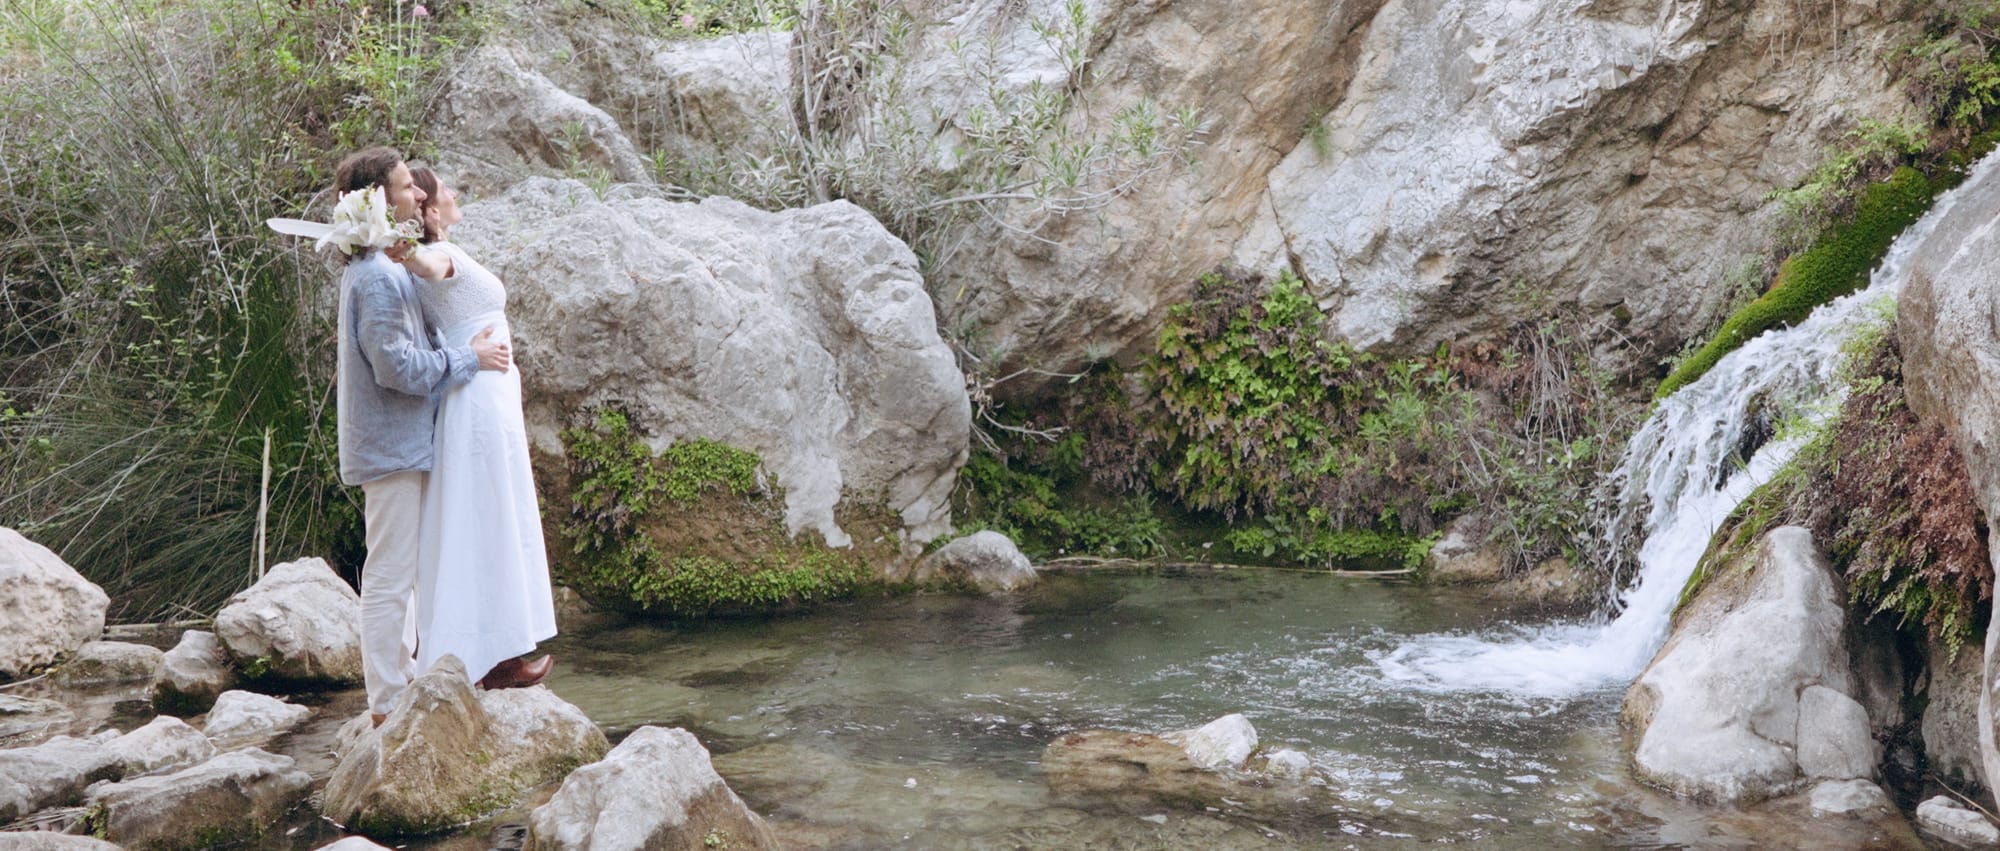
390,376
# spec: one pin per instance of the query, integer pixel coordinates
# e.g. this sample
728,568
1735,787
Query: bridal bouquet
360,220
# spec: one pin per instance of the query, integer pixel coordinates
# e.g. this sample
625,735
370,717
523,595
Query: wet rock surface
234,797
657,789
301,622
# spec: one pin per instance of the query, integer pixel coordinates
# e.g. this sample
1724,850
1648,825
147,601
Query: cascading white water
1683,470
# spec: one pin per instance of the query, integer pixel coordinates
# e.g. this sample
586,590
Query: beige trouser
392,506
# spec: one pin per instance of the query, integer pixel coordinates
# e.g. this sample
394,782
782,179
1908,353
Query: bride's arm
430,264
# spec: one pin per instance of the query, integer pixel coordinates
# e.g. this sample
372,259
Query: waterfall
1684,471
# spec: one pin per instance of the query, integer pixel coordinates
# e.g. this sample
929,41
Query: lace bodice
470,292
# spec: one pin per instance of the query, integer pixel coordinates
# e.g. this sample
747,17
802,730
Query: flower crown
360,221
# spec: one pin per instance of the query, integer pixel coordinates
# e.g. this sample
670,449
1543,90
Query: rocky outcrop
301,622
447,754
1210,767
232,798
985,560
1944,323
48,607
245,715
804,336
110,663
163,743
193,674
1749,697
51,774
657,789
1950,727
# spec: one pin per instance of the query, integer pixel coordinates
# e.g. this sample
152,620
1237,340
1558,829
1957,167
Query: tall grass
156,335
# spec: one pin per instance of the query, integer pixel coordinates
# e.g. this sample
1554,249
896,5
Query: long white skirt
482,571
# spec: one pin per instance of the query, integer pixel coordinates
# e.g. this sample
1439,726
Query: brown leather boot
514,673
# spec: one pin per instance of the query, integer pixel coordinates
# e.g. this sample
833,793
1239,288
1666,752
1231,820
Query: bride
482,572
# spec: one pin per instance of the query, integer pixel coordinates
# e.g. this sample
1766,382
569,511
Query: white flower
361,220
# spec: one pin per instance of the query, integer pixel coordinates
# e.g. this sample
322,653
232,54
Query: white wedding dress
482,571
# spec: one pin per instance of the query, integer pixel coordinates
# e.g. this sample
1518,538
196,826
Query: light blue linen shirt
390,373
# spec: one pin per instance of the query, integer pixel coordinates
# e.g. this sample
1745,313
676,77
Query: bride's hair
426,180
364,168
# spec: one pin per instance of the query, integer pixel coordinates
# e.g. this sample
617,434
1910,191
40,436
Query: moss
1835,265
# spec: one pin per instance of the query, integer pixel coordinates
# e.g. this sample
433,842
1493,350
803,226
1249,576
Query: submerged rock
53,773
1946,818
28,719
232,798
447,754
49,609
110,662
1196,770
1717,716
301,622
193,674
657,789
985,560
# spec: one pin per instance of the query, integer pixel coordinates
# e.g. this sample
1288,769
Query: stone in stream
243,715
985,560
28,719
110,663
351,843
1946,818
657,789
1846,797
193,674
48,608
1192,770
165,742
53,773
232,798
448,753
41,840
301,623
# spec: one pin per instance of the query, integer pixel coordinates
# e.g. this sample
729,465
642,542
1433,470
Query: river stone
657,789
53,773
42,840
447,753
193,674
301,622
241,715
1848,797
234,797
986,560
1225,742
1716,714
805,336
49,608
1141,773
1947,818
165,742
352,843
1288,763
24,720
1944,322
110,662
1834,742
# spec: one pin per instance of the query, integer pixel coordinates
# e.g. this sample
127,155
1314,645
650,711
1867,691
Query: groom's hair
364,168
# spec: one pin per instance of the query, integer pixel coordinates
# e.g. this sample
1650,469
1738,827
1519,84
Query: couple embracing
432,431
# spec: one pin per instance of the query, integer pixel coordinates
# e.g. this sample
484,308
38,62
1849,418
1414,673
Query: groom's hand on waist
493,355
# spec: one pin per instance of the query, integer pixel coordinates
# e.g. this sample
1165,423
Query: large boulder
1753,685
48,608
110,663
232,798
986,560
51,774
804,336
447,753
657,789
193,674
301,622
1945,325
1950,726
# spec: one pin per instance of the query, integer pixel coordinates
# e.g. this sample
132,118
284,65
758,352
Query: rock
501,119
1555,582
1946,818
657,789
1464,555
232,798
193,674
1834,742
986,560
1944,322
28,719
1950,726
1139,773
804,336
447,754
352,843
165,742
301,622
38,840
110,662
53,773
1717,714
1223,743
1847,797
49,608
1288,763
245,714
